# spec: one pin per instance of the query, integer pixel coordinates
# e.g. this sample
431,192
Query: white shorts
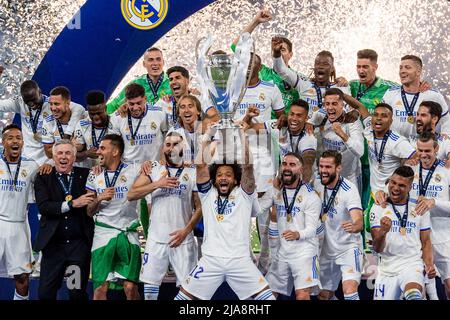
157,256
15,248
298,273
442,259
392,287
346,266
241,274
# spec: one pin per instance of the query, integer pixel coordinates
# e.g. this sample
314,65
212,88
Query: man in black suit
66,231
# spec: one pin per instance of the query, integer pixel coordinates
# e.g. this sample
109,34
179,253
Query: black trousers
56,258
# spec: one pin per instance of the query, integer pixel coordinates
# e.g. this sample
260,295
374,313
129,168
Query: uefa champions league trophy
223,80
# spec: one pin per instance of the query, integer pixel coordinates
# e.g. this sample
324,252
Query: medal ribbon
130,125
67,187
423,186
326,204
289,206
379,156
16,174
409,108
112,183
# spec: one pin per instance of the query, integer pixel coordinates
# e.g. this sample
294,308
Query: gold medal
219,217
289,217
315,109
410,119
324,217
69,197
132,142
403,231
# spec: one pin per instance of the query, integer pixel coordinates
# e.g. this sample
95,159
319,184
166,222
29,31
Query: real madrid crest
262,96
153,126
144,14
186,177
299,199
123,179
45,114
24,173
437,177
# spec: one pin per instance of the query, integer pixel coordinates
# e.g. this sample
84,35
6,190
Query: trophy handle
242,94
197,47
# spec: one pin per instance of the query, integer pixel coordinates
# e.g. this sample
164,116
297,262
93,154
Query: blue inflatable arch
100,53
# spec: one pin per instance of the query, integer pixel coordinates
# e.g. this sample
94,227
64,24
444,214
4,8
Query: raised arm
355,104
261,17
308,156
288,75
248,183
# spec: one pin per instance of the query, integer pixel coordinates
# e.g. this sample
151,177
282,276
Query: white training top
307,142
14,201
400,124
438,189
304,87
227,236
32,148
351,150
265,96
149,138
305,219
337,240
83,135
172,209
118,212
400,251
397,148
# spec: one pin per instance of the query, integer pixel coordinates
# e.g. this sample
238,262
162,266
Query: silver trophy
223,78
223,81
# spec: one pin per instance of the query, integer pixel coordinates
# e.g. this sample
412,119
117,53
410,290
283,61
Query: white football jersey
227,235
397,148
118,212
438,189
307,92
300,143
337,240
83,135
149,138
14,201
351,150
305,219
32,148
400,250
172,209
393,97
265,96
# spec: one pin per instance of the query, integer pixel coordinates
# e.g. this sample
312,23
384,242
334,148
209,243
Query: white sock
182,296
413,294
351,296
431,290
151,292
265,295
274,240
17,296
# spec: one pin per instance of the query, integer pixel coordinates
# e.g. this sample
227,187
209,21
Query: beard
327,180
289,178
173,158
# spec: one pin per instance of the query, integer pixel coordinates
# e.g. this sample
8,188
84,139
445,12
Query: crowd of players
332,170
